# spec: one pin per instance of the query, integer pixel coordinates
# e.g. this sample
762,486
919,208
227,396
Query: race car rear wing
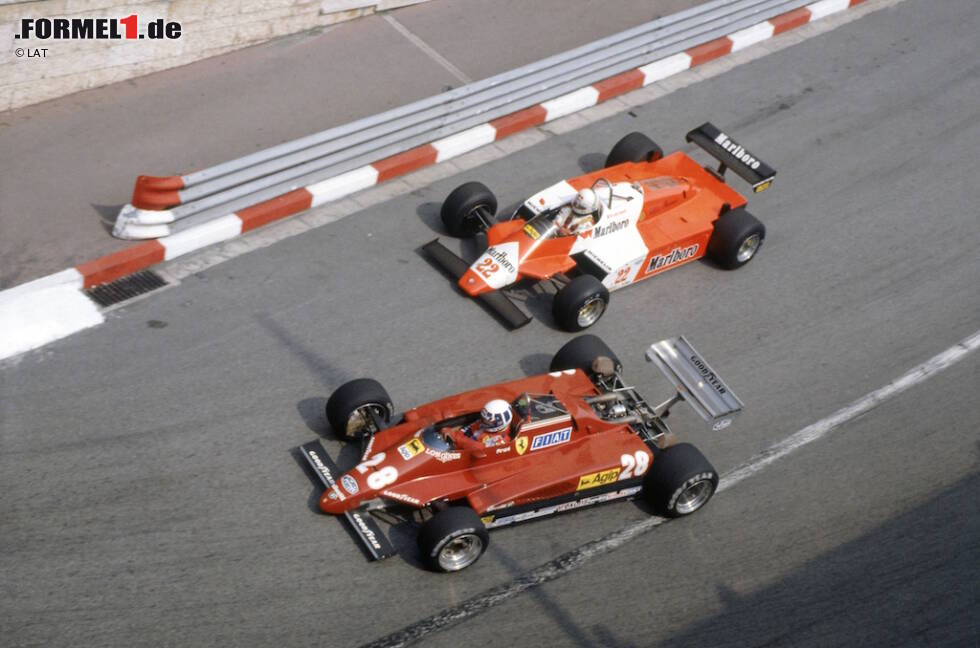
496,302
696,382
363,525
732,155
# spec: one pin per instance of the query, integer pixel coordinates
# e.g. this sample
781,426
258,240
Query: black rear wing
732,155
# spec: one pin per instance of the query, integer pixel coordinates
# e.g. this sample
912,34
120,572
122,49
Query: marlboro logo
736,149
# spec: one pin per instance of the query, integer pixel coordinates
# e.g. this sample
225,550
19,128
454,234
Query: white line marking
575,558
422,45
821,428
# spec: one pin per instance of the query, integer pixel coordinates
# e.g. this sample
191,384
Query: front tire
579,304
737,237
580,352
634,147
680,481
453,539
462,210
349,407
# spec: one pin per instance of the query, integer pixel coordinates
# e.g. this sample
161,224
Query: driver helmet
586,203
496,415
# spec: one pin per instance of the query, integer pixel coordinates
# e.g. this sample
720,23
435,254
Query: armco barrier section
347,158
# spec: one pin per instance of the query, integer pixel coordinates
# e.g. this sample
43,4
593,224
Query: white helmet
585,203
497,415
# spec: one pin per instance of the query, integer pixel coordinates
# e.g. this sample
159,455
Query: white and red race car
655,213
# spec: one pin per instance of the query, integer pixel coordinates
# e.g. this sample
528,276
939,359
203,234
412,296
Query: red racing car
639,216
574,437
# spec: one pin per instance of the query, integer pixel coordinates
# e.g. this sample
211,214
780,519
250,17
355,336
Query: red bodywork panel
681,202
545,457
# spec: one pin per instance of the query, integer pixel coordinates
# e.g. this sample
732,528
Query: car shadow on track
535,364
428,213
591,162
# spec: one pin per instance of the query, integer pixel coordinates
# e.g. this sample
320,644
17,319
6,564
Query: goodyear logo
600,478
551,439
410,449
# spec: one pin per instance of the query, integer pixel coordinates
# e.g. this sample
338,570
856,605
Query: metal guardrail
254,178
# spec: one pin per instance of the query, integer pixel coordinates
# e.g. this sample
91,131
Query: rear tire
579,304
580,352
458,210
349,405
680,481
453,539
634,147
737,238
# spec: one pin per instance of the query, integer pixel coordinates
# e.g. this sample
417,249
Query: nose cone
330,502
346,493
474,284
496,268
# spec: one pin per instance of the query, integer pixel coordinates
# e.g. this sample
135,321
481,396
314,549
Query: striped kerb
710,50
121,263
406,162
619,84
274,209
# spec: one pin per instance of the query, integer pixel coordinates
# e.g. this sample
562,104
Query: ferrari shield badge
520,444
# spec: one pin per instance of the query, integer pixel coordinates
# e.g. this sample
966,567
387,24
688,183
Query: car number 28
634,464
381,477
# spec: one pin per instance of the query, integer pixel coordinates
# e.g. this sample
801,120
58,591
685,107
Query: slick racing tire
453,539
680,481
579,304
635,147
737,238
459,211
580,352
349,407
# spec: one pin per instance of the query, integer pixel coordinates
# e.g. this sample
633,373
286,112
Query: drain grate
138,283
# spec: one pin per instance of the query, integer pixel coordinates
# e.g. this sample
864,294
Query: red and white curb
72,311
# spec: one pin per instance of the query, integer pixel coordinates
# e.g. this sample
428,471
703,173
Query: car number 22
634,464
487,267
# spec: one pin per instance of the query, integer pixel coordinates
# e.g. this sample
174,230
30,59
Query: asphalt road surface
151,494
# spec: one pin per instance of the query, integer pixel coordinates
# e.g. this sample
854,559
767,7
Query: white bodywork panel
615,244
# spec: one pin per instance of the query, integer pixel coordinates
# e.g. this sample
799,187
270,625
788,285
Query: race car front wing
496,302
360,520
